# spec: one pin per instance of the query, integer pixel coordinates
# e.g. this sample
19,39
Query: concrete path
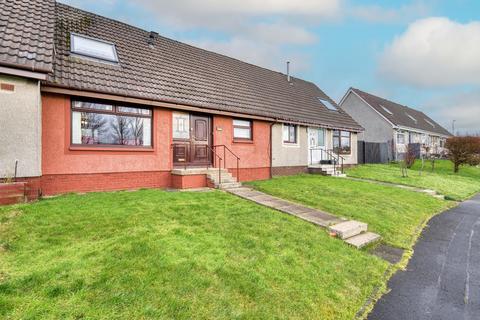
429,192
442,280
314,216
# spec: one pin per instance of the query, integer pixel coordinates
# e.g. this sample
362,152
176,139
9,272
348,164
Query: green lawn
173,255
455,186
393,213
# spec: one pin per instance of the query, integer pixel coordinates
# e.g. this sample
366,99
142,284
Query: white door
316,145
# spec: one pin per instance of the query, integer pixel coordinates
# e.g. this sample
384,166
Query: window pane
181,125
321,137
93,48
345,134
92,105
285,132
141,111
336,133
292,136
242,123
242,133
345,142
336,142
95,128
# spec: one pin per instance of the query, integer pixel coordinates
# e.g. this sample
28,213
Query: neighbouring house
101,105
390,127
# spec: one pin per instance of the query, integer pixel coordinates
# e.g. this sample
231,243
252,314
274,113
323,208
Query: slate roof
176,72
26,34
399,116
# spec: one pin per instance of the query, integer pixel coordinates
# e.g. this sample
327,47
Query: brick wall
286,171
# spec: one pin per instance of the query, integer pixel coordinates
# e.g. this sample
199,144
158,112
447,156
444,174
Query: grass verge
153,254
391,212
442,179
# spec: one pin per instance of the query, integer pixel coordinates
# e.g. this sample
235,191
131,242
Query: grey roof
172,71
26,34
400,114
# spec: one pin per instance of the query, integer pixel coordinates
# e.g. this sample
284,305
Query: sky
420,53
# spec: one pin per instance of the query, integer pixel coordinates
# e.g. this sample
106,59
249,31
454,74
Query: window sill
113,149
242,141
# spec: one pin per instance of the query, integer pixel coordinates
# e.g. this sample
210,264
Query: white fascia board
422,131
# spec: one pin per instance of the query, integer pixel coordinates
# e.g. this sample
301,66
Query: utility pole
453,127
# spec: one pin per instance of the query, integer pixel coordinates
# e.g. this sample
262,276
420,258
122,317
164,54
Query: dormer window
328,104
430,123
413,119
93,48
386,110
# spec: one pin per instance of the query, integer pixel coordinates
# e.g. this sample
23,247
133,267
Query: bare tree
96,123
121,129
137,130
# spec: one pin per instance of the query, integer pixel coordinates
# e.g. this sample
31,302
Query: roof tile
26,34
177,72
399,114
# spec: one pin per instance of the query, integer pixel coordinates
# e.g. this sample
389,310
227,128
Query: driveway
442,280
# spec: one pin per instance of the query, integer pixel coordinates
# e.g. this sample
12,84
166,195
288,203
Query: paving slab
363,239
348,229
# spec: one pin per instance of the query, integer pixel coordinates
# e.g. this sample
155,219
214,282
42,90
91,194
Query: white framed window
242,129
400,138
328,104
290,133
181,125
93,48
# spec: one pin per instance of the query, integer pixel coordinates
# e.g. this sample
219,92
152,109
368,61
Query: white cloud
266,55
379,14
464,107
434,52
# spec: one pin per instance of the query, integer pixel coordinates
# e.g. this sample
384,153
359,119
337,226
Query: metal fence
372,152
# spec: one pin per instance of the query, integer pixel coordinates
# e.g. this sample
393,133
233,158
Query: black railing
217,159
330,156
237,158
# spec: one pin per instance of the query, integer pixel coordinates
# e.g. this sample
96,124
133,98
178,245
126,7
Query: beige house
300,148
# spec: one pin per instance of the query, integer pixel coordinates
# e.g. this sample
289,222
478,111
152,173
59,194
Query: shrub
463,150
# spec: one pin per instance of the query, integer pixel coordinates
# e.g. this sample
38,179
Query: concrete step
363,239
229,185
348,229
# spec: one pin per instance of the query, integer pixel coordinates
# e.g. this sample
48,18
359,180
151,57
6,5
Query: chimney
152,37
288,71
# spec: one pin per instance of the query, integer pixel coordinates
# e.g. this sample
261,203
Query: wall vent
7,87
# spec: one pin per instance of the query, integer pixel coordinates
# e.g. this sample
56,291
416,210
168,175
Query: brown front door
193,149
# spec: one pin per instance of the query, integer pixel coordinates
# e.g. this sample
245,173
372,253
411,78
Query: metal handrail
219,164
225,158
331,156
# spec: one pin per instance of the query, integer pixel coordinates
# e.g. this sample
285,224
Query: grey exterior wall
286,154
20,123
295,155
377,129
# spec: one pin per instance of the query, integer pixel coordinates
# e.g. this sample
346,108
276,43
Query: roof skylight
328,104
386,110
93,48
429,122
413,119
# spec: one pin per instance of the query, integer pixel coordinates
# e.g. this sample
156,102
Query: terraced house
88,103
393,126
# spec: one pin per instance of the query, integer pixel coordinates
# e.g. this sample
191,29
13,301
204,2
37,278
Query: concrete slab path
314,216
442,280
